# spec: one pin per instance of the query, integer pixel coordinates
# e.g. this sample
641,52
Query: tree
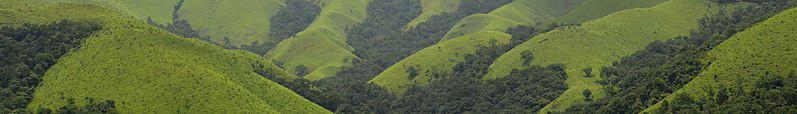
587,72
587,95
302,70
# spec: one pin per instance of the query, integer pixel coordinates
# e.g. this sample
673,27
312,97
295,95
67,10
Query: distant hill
145,69
483,27
600,42
321,49
747,58
239,22
542,13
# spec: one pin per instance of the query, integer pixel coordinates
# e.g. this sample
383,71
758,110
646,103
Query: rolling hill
516,13
541,13
241,22
600,42
145,69
432,8
746,58
321,49
440,57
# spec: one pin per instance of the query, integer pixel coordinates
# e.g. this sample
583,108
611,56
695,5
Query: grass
432,8
600,42
441,57
159,11
147,70
746,57
322,47
541,13
242,21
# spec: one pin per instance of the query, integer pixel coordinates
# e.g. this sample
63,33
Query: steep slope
144,69
513,14
440,57
541,13
432,8
321,49
746,58
598,43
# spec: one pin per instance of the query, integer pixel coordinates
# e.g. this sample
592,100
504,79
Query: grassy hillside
495,23
159,11
321,49
440,57
432,8
144,69
542,12
242,21
600,42
746,58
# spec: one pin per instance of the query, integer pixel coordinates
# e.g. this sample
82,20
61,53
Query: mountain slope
746,58
541,13
440,57
600,42
243,22
159,11
145,69
321,49
239,22
432,8
395,78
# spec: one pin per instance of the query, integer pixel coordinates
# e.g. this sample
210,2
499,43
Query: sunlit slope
147,70
159,11
432,8
441,57
600,42
746,57
322,47
242,21
510,15
542,12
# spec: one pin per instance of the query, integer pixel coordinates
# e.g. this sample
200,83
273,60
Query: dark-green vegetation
381,40
26,52
772,94
644,78
92,107
463,90
291,19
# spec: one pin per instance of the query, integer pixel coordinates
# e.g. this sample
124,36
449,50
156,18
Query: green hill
241,22
159,11
440,57
543,12
321,49
395,78
600,42
147,70
745,59
432,8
